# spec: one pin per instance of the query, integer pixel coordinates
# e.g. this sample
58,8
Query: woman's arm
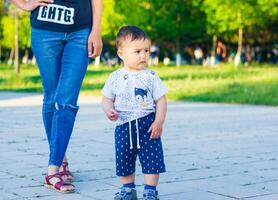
31,4
97,7
95,40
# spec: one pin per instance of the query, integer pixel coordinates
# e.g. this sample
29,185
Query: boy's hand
156,130
112,115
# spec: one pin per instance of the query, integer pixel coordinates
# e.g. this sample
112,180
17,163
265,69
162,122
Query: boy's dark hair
134,32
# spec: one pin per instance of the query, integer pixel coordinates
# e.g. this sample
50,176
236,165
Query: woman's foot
64,172
55,182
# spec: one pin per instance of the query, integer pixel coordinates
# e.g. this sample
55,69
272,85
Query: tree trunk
25,58
240,36
214,40
11,57
16,58
178,53
239,48
178,40
212,57
0,53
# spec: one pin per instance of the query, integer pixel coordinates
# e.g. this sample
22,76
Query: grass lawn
248,85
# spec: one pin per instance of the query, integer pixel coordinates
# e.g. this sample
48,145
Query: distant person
134,97
64,35
198,53
221,52
154,54
166,59
258,54
275,54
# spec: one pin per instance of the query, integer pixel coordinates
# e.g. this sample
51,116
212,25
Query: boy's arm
31,4
95,40
107,104
161,110
108,108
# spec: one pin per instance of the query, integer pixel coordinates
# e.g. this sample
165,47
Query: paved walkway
212,152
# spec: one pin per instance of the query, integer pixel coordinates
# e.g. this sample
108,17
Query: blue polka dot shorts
132,139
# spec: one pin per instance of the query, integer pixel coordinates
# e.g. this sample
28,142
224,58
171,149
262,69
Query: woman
64,34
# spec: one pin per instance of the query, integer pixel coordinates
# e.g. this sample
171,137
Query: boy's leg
151,179
151,151
125,157
128,191
125,162
151,157
128,179
150,192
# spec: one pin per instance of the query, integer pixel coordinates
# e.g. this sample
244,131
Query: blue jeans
62,60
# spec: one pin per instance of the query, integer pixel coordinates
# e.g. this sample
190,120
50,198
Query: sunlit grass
248,85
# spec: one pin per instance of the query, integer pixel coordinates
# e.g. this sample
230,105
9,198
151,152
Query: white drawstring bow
130,135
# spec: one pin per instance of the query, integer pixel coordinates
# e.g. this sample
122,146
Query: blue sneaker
126,193
150,195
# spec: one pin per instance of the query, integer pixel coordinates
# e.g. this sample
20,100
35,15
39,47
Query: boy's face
134,54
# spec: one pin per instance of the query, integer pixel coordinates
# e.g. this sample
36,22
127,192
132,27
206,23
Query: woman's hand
33,4
94,42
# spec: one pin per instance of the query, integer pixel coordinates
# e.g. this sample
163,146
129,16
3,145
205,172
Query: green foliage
8,32
165,21
171,22
111,20
269,8
24,29
269,27
177,19
229,15
257,17
135,12
2,11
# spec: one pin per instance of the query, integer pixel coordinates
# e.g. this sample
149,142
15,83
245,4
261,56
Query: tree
231,16
2,11
267,30
16,34
178,22
111,20
172,23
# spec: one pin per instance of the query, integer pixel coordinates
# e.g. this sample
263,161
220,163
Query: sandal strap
59,184
65,173
48,177
65,164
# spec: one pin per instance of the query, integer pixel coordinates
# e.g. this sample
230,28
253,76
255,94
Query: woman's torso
63,16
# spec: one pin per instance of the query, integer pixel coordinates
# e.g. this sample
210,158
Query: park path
212,152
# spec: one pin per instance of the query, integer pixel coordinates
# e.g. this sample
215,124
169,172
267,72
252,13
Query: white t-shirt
134,93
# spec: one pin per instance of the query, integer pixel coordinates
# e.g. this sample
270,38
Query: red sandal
57,186
66,172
